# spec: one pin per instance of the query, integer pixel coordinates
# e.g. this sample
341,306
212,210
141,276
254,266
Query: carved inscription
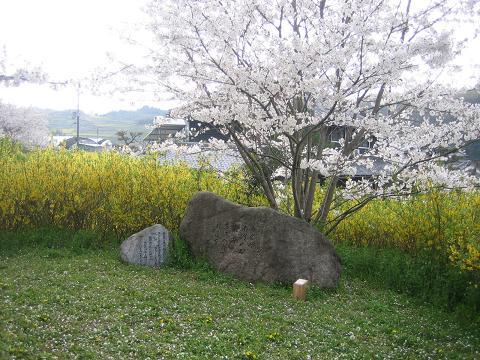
238,235
148,247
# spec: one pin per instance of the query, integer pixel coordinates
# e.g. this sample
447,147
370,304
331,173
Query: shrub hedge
110,193
106,192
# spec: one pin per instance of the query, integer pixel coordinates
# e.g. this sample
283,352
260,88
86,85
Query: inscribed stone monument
258,244
147,247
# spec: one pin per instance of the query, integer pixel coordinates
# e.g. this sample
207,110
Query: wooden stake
300,289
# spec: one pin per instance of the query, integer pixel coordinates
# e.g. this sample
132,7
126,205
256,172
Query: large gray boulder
257,244
147,247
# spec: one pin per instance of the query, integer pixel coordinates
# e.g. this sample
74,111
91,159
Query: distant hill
143,116
63,122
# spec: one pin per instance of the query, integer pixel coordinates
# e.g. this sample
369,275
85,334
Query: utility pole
78,116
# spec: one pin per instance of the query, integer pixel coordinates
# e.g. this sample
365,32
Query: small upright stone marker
147,247
300,289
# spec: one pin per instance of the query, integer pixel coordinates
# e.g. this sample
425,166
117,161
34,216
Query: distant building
468,160
473,155
186,130
204,158
192,134
167,130
84,143
106,144
58,140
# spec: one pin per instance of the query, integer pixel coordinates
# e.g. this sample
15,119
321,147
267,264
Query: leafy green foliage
420,275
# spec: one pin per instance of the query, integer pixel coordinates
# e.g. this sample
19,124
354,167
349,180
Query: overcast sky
70,38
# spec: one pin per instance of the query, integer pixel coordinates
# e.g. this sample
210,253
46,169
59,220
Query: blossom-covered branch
331,90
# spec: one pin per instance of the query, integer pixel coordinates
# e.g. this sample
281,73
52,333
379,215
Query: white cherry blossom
280,77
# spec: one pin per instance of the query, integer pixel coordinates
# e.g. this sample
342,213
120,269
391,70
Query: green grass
74,302
424,275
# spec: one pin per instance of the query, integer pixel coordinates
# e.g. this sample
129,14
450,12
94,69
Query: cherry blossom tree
15,75
23,125
323,89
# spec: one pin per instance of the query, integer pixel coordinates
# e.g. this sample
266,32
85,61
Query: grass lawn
60,303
